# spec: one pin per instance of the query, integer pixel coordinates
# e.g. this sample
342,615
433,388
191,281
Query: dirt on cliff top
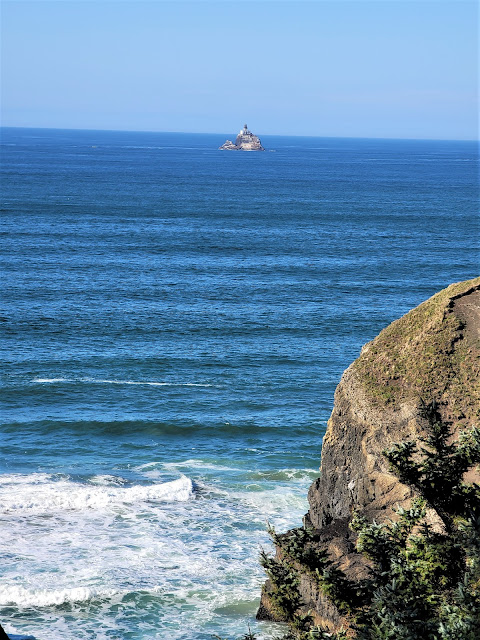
431,352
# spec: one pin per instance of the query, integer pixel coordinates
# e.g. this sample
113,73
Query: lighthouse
245,141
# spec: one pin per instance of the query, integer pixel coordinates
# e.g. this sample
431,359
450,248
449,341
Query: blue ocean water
175,320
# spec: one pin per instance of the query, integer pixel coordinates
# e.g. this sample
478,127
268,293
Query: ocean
175,320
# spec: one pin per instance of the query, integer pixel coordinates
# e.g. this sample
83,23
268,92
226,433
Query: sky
349,68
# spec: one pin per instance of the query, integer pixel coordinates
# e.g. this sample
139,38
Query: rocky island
245,141
432,353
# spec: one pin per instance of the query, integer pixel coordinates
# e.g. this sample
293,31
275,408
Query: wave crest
21,597
43,494
126,382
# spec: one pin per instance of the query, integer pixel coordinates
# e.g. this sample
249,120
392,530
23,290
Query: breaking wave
42,493
129,382
21,597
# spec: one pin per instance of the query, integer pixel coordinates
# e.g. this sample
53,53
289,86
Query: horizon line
280,135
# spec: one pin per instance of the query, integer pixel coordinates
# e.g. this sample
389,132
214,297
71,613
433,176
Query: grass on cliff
424,354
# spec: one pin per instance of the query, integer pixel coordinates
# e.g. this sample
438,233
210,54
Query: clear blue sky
386,68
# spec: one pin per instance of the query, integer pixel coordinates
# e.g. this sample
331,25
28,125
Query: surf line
125,382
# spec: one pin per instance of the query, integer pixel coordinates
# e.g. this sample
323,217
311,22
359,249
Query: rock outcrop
245,141
433,352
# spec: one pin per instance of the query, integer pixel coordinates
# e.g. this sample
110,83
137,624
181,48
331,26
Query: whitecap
192,463
148,383
62,495
288,475
121,382
21,597
28,479
269,502
107,480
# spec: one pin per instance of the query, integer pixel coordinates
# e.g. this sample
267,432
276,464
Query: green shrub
424,583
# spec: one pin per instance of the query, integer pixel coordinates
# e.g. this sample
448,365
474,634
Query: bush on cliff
424,581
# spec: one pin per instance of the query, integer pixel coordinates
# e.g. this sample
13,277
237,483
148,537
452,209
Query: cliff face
431,353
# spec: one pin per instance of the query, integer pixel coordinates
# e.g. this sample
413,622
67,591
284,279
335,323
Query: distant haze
395,69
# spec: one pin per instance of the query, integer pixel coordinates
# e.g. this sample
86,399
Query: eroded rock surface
433,352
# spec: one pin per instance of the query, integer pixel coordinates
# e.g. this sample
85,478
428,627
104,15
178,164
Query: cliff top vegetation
428,353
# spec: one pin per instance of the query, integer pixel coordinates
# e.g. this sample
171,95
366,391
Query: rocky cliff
433,352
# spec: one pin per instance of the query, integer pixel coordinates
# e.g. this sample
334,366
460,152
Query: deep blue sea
175,320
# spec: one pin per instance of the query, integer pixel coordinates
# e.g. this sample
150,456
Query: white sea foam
29,479
122,382
101,544
293,475
14,633
107,480
22,597
46,495
275,503
154,469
